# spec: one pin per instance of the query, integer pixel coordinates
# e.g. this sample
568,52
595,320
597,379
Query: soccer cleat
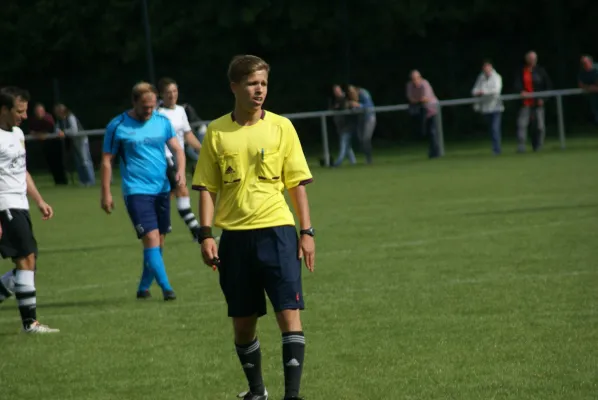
36,327
250,396
293,398
144,294
169,295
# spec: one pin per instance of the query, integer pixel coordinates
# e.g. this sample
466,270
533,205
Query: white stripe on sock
24,278
183,203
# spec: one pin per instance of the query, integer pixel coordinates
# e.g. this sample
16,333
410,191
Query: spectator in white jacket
488,88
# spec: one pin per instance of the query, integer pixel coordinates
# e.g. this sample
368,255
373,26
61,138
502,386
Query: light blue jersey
140,147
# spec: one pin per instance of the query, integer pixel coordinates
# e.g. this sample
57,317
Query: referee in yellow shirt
247,160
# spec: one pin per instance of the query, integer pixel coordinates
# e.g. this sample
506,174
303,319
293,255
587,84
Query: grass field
471,277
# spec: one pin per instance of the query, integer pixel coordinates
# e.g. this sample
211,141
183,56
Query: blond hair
245,65
142,88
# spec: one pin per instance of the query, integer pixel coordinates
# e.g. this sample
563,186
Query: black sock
293,353
250,356
25,295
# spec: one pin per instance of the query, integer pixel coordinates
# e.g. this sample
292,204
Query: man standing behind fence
40,126
488,88
423,107
531,78
70,124
588,81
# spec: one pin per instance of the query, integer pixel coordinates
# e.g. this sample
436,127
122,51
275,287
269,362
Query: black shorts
17,234
171,172
256,261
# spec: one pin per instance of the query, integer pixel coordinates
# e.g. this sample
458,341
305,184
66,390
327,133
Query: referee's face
251,92
145,106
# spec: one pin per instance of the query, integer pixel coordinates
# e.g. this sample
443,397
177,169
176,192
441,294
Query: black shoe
169,295
144,294
293,398
250,396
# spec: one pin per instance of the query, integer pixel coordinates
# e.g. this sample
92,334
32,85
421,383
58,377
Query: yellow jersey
249,167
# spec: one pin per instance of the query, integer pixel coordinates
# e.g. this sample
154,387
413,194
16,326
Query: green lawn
470,277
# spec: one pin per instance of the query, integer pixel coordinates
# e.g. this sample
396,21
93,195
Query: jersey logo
229,170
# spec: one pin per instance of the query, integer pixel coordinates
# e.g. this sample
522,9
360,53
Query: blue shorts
256,261
149,212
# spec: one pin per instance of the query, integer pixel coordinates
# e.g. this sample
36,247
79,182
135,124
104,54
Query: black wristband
205,232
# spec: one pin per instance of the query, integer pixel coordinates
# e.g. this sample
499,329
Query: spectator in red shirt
531,78
40,126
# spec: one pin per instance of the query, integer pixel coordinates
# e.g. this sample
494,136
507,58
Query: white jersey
13,170
179,121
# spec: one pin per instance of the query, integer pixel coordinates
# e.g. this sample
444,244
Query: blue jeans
366,131
493,120
345,149
83,161
432,131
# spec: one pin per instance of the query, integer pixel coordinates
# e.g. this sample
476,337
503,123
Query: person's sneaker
250,396
144,294
169,295
36,327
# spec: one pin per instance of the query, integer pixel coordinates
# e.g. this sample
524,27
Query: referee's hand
209,252
307,251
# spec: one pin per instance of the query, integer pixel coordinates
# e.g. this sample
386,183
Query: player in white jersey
17,240
169,92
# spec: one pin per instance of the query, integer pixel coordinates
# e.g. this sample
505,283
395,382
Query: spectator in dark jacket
531,78
41,125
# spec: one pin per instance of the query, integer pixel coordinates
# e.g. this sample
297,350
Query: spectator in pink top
423,107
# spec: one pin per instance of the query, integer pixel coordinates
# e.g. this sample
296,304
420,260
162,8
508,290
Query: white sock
25,294
7,285
183,205
8,280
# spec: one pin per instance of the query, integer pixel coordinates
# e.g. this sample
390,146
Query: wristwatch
308,231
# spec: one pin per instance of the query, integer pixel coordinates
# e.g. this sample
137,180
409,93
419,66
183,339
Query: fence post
561,119
326,150
440,131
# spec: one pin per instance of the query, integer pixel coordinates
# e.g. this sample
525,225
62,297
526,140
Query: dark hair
163,83
10,94
486,61
243,66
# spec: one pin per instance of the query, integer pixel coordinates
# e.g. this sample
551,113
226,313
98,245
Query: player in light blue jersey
137,137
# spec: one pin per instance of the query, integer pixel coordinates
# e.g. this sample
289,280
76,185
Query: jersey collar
232,115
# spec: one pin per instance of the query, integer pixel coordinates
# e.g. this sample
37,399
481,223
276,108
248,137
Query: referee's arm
207,180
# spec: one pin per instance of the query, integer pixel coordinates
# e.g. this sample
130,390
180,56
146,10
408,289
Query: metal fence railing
323,115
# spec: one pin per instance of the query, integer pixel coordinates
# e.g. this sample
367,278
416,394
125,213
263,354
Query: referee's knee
289,320
245,329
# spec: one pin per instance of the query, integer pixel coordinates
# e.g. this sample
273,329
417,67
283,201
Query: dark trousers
493,121
426,126
54,152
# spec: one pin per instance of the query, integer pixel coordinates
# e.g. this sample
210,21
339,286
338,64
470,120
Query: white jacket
491,88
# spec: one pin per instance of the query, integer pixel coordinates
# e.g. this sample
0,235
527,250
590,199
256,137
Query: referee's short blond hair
142,88
245,65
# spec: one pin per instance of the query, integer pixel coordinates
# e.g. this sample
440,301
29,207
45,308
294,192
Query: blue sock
153,259
147,277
